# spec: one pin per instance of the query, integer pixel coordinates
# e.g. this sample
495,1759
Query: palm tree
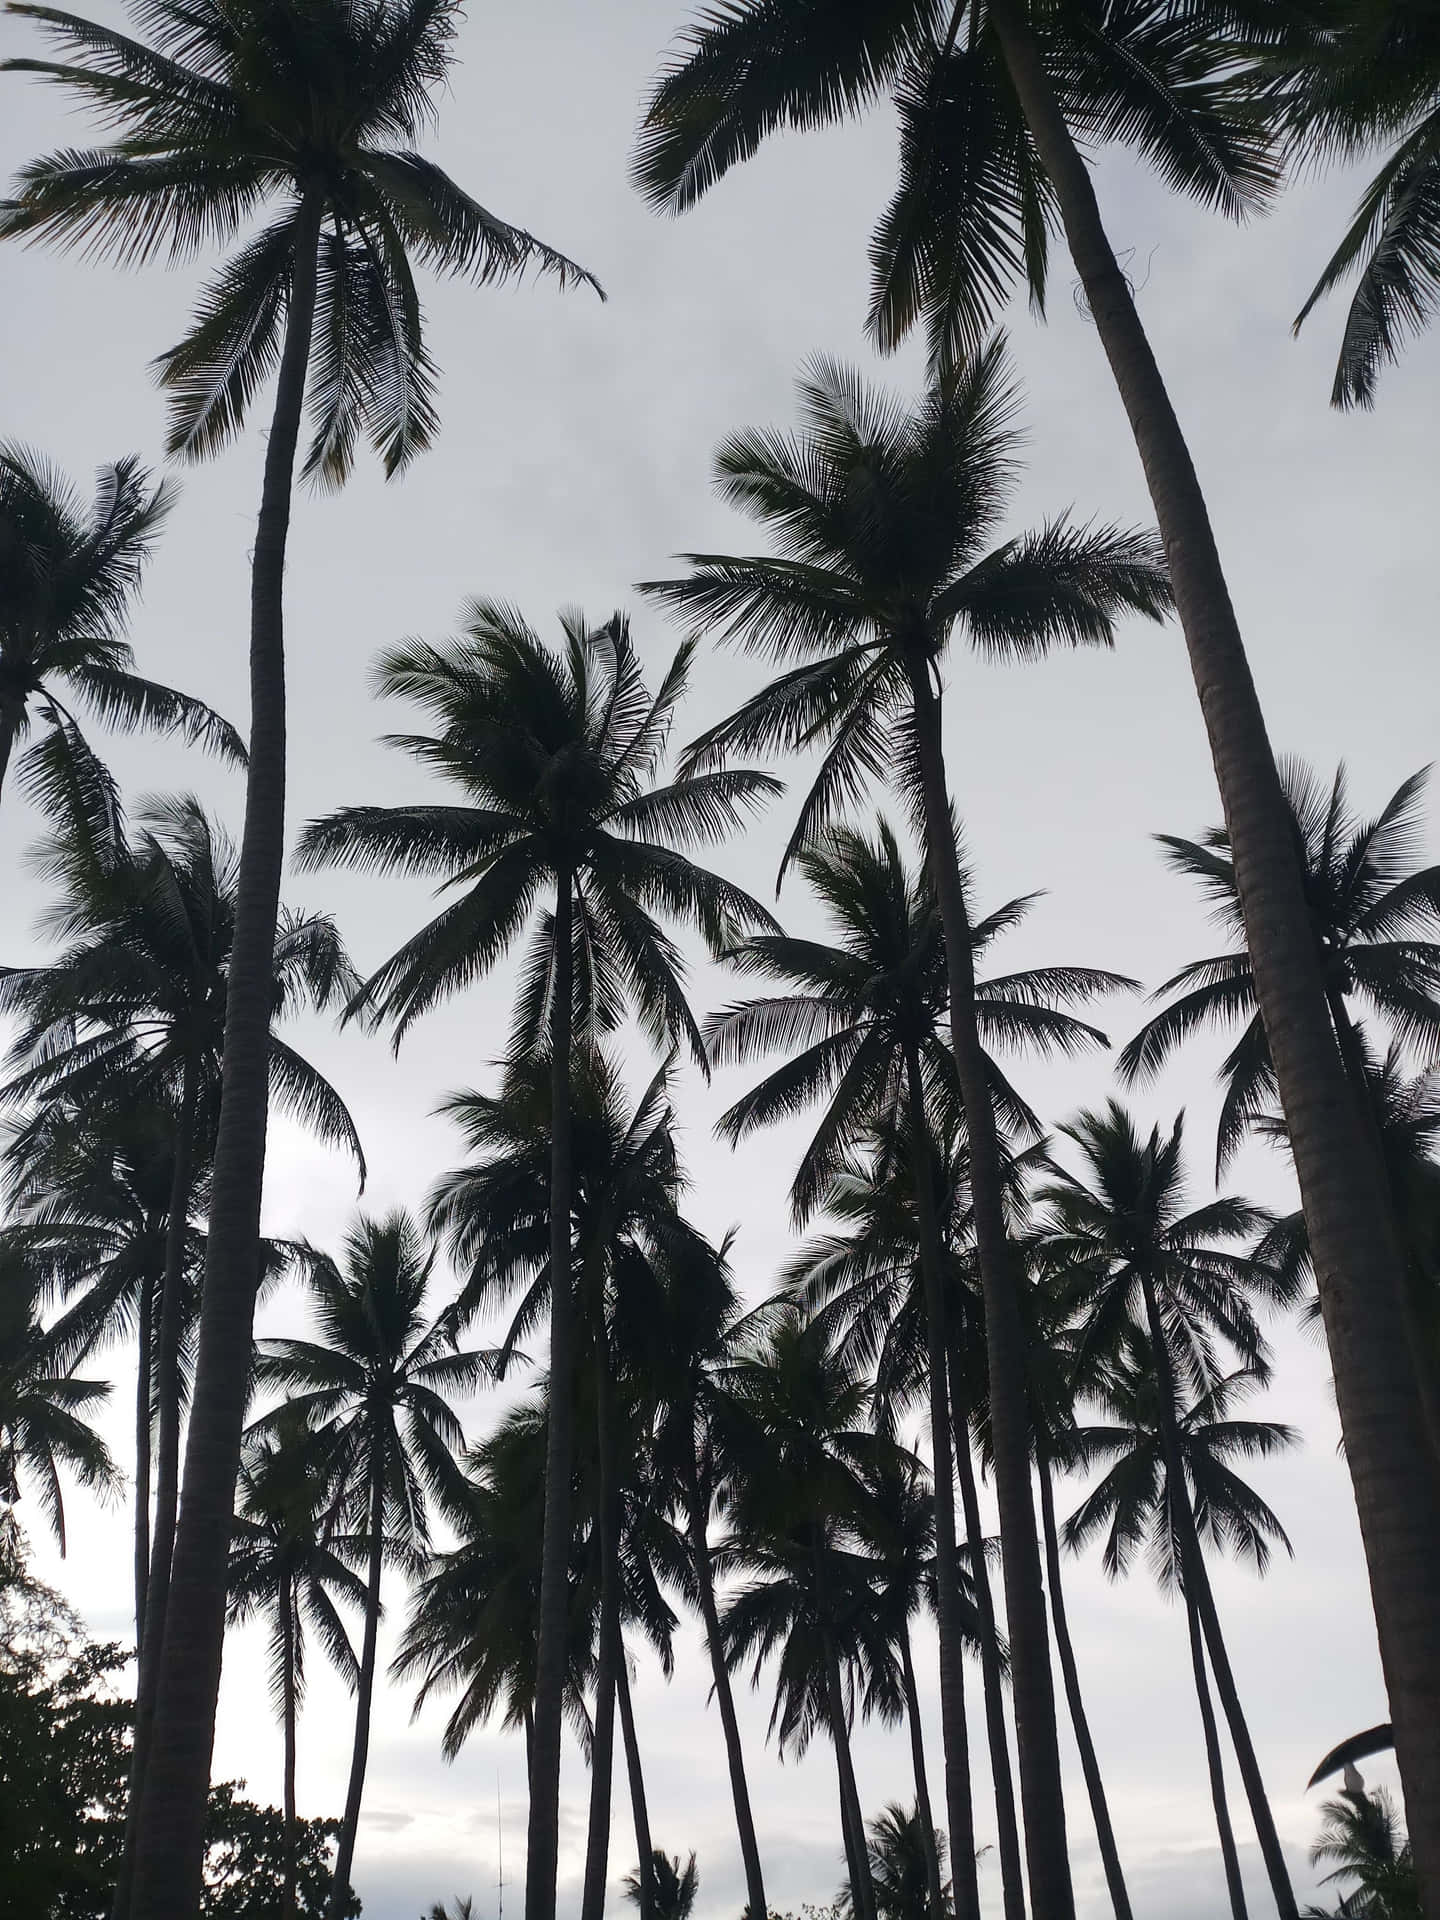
377,1390
44,1410
883,516
899,1866
863,1014
993,96
283,1566
1353,78
1362,1840
674,1887
134,1010
215,116
1142,1269
1145,1501
555,757
68,577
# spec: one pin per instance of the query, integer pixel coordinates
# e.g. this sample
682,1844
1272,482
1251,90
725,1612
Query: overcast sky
574,460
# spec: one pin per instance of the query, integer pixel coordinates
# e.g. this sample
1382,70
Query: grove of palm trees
719,960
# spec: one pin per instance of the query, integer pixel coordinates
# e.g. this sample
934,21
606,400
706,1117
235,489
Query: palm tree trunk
639,1802
1032,1686
287,1692
698,1512
143,1384
959,1804
542,1849
602,1746
1070,1672
167,1476
1358,1265
1197,1587
852,1819
364,1693
1007,1832
170,1844
922,1784
1216,1764
9,733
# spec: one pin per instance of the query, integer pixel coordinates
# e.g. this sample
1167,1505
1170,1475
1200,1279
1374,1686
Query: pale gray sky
574,460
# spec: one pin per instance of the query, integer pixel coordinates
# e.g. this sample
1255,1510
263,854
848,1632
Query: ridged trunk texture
1007,1832
170,1844
1070,1673
923,1811
959,1804
1357,1262
698,1507
1037,1745
639,1802
542,1847
1197,1590
364,1693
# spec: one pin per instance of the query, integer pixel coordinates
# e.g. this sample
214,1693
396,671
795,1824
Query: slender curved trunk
9,733
364,1695
170,1844
852,1819
639,1801
1070,1673
1042,1797
698,1514
143,1383
959,1804
602,1745
1357,1262
935,1890
542,1849
287,1699
167,1477
1215,1762
1012,1872
1198,1596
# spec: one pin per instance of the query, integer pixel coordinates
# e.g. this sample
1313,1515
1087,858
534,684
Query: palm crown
222,110
68,577
883,516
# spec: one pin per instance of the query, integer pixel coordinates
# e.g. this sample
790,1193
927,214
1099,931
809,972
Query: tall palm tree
316,108
68,577
1353,78
1143,1269
44,1409
996,99
863,1014
556,758
883,517
284,1567
676,1887
134,1009
1168,1486
1363,1841
377,1390
899,1866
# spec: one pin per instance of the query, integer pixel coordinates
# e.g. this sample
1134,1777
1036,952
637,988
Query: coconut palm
996,99
68,577
1142,1268
316,109
1363,1841
862,1017
883,516
555,757
285,1569
674,1887
44,1409
1354,78
899,1866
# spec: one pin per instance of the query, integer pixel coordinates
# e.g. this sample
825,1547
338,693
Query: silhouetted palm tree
899,1867
674,1888
377,1389
556,758
884,517
214,116
996,99
1363,1841
283,1567
1144,1271
68,576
